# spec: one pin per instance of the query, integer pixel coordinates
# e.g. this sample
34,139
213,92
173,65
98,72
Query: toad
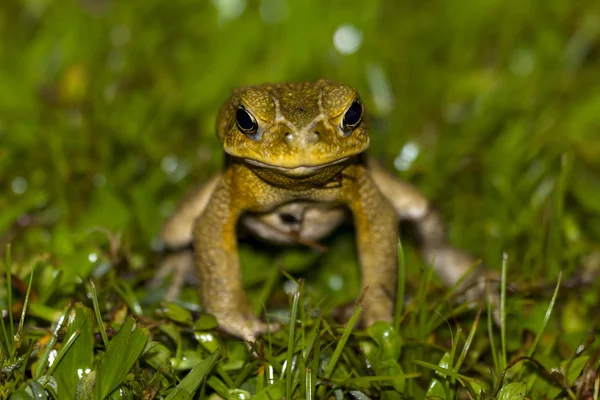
295,169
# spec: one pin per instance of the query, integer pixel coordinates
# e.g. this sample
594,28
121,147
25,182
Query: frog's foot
178,265
483,283
452,264
245,326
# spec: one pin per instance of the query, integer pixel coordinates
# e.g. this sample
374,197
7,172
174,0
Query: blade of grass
314,364
446,371
269,339
546,317
454,346
377,378
401,287
311,338
503,309
196,376
290,349
554,243
345,335
420,300
24,311
493,349
63,350
218,386
266,290
308,385
10,341
98,313
300,376
469,340
7,342
260,377
301,360
27,356
250,369
43,361
126,293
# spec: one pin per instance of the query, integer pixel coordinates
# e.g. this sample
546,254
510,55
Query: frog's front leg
216,247
377,239
176,234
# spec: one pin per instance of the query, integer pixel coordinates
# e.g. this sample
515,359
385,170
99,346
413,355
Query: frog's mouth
296,171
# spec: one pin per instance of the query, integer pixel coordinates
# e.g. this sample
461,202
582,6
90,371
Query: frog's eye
245,121
353,116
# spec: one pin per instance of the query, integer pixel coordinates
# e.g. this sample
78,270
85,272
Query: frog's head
296,129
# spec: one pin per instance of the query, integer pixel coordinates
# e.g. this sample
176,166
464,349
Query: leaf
49,384
37,391
513,391
385,359
272,392
205,322
122,352
194,378
79,358
218,386
438,387
178,394
176,313
575,368
157,355
21,395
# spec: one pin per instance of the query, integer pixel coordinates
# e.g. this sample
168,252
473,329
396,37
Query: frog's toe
485,284
248,328
260,328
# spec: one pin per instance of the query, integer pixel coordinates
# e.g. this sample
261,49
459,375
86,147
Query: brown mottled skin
292,179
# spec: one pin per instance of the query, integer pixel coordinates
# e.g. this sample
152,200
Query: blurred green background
492,108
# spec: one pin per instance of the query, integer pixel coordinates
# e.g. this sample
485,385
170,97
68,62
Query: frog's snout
302,139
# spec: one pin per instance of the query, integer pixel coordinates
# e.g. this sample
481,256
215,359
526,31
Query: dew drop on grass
290,287
82,372
52,357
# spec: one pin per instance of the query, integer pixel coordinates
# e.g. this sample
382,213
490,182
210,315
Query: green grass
107,113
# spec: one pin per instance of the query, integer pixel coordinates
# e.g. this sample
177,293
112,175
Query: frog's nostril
288,137
315,137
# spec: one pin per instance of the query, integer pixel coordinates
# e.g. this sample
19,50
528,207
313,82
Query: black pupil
352,116
244,120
